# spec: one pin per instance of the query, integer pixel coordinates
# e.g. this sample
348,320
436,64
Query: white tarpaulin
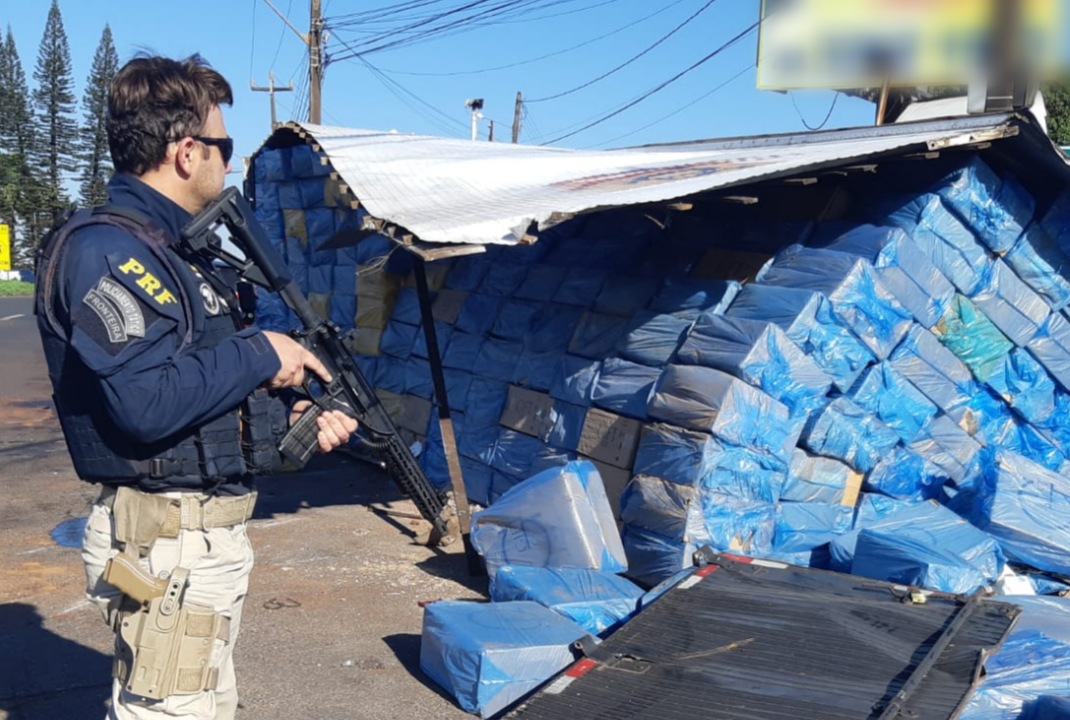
458,191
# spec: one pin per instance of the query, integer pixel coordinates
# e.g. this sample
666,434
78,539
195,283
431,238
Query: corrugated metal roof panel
454,191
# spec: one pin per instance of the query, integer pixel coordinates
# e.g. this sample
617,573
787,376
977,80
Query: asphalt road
331,628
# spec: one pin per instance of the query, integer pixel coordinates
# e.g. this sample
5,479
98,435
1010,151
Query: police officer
165,398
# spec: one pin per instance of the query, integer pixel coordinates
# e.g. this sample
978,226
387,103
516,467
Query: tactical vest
238,443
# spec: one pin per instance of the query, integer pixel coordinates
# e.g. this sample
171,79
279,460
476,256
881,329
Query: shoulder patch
113,322
127,305
150,285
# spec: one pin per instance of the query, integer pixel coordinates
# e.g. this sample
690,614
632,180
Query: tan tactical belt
190,511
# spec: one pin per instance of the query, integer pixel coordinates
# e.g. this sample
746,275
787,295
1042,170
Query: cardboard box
851,489
372,313
610,438
528,412
366,340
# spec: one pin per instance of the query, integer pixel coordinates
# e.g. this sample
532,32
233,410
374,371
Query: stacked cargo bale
743,381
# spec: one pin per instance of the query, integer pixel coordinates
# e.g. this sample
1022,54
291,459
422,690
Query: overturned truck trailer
844,350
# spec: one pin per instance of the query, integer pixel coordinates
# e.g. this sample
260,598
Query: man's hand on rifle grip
295,359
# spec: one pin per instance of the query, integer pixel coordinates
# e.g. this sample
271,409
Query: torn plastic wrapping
705,399
760,353
675,454
929,546
906,475
653,338
1042,265
1023,505
1010,304
1051,347
858,299
807,319
901,267
949,447
560,518
489,655
596,601
812,478
997,210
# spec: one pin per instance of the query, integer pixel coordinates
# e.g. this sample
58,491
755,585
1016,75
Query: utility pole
490,135
314,41
315,62
475,105
516,117
271,89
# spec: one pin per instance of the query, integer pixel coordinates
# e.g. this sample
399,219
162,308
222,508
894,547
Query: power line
529,61
835,99
628,62
658,88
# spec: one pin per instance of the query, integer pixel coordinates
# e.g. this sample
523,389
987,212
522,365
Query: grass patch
15,288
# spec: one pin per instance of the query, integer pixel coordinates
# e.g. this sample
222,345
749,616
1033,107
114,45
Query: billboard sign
5,247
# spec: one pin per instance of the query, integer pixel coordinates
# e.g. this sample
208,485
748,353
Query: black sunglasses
225,145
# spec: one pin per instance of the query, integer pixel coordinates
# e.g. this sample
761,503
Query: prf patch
148,282
117,309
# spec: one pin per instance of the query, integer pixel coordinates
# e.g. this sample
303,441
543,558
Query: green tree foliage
55,149
1057,102
20,190
96,168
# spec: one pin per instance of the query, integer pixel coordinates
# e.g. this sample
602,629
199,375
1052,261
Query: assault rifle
348,391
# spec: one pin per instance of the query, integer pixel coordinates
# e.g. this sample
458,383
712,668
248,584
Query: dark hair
154,100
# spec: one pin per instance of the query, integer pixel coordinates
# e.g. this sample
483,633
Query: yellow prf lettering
165,297
149,283
132,266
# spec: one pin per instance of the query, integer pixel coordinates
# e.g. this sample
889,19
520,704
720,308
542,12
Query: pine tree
94,137
55,149
20,191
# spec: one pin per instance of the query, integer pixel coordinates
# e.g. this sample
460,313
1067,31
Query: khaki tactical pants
219,561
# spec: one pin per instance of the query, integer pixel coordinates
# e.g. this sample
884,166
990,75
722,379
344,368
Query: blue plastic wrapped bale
1010,304
597,334
652,339
1023,505
972,337
624,387
929,546
925,362
816,479
443,333
433,458
540,283
844,431
949,447
478,313
477,480
1030,441
344,279
462,351
705,399
997,210
659,506
418,379
536,370
559,518
746,475
732,525
653,558
1046,707
900,266
567,425
468,273
858,299
497,359
906,475
503,279
624,295
941,236
596,601
803,527
1032,662
489,655
574,380
688,297
1042,265
1051,348
580,286
548,458
1056,221
398,339
515,318
883,391
271,165
552,328
871,507
514,452
806,317
486,398
760,353
675,454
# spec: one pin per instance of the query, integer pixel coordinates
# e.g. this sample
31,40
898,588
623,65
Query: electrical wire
529,61
709,56
835,99
628,62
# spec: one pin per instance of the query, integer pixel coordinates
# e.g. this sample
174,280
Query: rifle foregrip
302,439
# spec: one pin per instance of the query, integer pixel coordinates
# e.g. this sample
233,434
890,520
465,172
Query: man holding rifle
165,398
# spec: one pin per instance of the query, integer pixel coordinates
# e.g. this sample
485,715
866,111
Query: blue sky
422,87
